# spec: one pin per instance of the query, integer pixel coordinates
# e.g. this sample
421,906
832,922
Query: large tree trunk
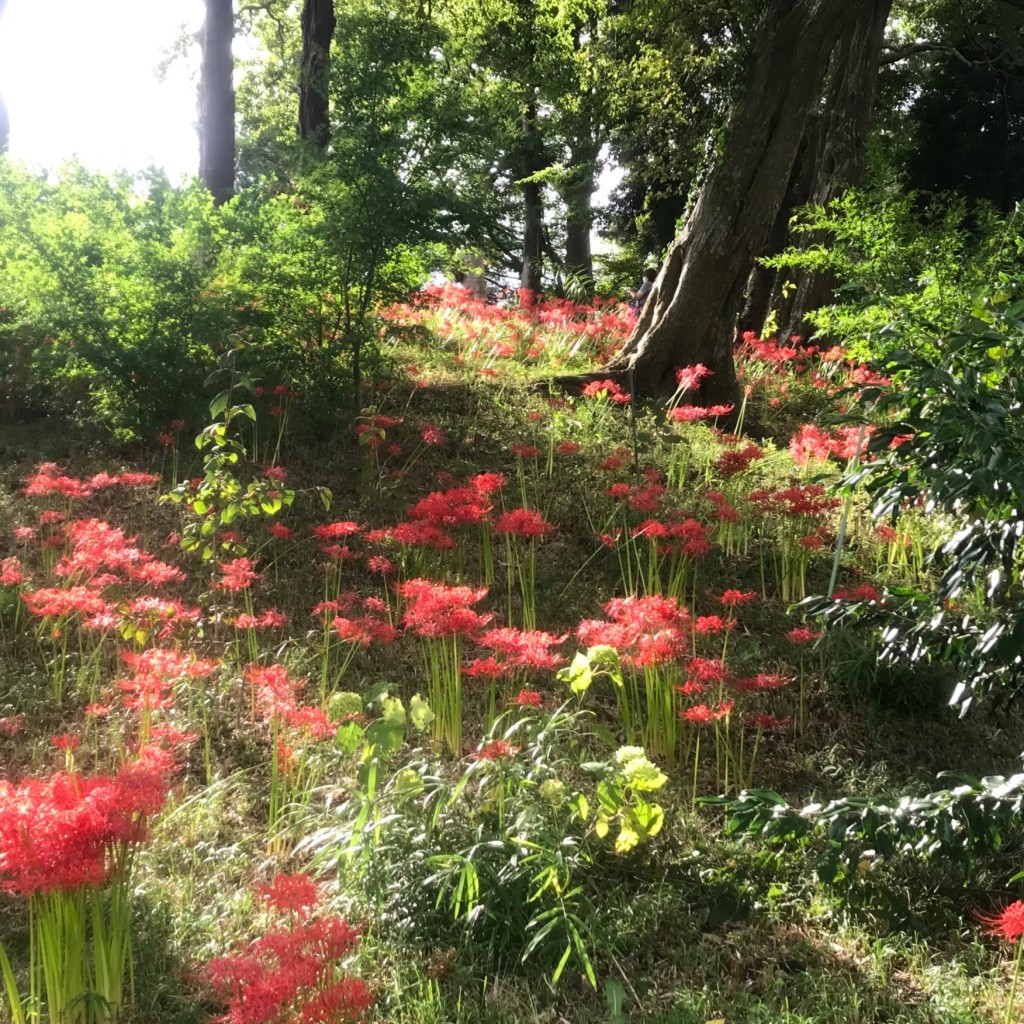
531,277
217,102
690,316
577,195
842,143
317,32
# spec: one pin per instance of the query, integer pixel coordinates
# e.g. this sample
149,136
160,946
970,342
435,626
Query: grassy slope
691,928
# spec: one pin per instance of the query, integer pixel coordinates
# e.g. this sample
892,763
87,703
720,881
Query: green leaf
219,404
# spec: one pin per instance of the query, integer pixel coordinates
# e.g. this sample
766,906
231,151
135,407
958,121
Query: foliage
972,816
111,286
898,260
950,438
510,850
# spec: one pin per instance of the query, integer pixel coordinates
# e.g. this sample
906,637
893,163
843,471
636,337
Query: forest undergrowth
418,722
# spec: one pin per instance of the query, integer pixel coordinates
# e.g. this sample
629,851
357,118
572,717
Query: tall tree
317,31
690,315
217,101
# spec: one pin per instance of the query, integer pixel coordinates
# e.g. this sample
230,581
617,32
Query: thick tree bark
217,102
690,316
532,273
578,196
842,142
317,32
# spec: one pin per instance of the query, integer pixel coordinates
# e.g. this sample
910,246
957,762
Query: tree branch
895,54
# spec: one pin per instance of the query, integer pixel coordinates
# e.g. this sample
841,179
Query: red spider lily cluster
295,970
69,830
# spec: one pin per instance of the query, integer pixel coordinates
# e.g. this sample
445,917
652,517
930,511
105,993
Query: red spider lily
724,511
417,534
732,462
495,750
168,440
61,832
862,592
11,572
238,574
24,534
693,413
707,670
432,435
525,451
606,389
523,522
803,635
380,564
336,531
761,683
524,648
170,664
279,531
528,699
568,448
619,490
67,741
374,624
270,619
338,553
1008,923
437,610
703,714
488,483
460,506
691,688
711,625
291,974
486,668
11,725
735,598
688,378
645,631
276,473
54,602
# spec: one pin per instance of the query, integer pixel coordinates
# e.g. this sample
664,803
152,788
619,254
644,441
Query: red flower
290,894
437,610
495,750
524,522
1009,923
734,598
528,699
689,377
237,574
525,451
432,435
803,635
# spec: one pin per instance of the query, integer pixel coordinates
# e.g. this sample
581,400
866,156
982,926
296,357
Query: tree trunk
531,276
690,316
317,32
217,102
843,126
577,194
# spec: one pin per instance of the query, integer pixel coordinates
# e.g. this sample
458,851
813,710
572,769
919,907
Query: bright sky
79,78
